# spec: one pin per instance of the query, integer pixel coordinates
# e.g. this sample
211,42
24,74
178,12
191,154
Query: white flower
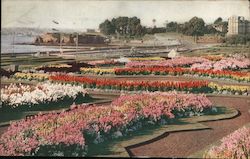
15,95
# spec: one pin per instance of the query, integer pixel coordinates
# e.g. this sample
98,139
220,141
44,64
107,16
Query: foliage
107,27
155,30
234,146
69,132
218,20
124,26
210,30
238,39
194,27
172,27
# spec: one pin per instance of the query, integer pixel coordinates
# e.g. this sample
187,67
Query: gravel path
183,144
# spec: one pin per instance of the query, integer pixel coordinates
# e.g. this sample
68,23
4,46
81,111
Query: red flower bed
220,72
131,85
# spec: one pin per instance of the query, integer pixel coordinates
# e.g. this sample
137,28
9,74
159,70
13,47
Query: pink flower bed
225,63
196,63
235,146
180,61
72,130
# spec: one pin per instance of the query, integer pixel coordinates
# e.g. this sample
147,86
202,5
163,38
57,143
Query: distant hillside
34,31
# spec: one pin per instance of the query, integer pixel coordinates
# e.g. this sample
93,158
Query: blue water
7,45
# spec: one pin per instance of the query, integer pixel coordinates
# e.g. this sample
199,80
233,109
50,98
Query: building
220,27
238,25
91,31
91,38
70,39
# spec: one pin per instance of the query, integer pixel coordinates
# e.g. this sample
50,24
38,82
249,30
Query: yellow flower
55,65
31,76
236,88
243,78
97,70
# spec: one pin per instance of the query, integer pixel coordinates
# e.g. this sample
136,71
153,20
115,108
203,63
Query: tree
124,26
218,20
210,30
194,27
225,27
107,27
134,26
172,27
238,39
197,26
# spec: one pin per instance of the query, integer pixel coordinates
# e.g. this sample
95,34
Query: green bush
238,39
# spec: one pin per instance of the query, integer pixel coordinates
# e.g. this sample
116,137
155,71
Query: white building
238,25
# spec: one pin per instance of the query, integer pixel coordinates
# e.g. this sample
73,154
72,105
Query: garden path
183,144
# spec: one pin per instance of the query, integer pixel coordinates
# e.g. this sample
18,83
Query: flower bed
196,63
58,69
16,95
56,66
192,86
225,63
105,63
151,70
80,64
68,133
176,62
235,75
213,57
146,58
234,146
31,76
99,71
230,88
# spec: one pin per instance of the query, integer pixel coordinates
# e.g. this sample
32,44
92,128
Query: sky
83,14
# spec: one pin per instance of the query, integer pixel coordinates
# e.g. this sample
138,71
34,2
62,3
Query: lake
8,47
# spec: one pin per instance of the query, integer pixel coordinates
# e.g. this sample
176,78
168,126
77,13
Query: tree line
131,27
197,27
